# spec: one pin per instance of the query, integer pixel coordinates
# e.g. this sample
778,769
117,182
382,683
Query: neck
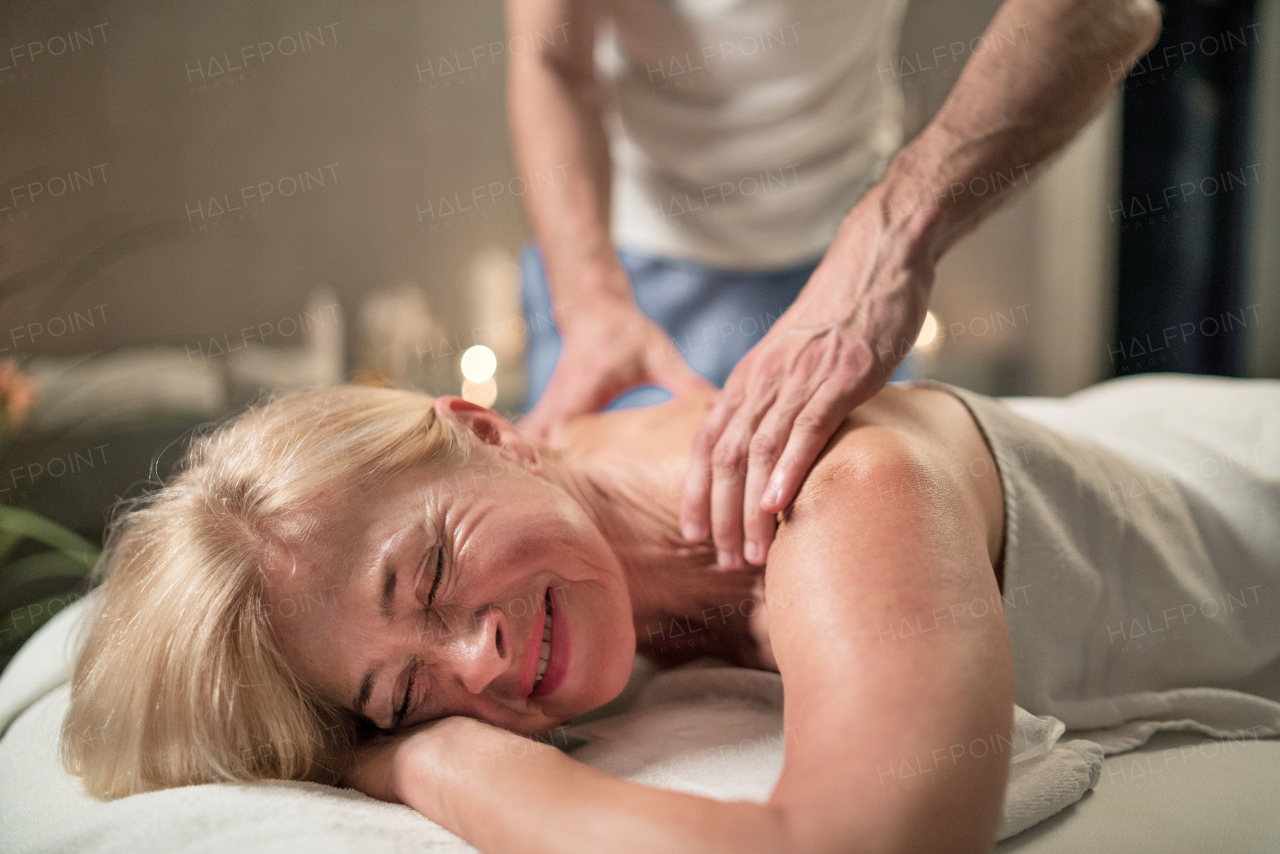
639,521
682,607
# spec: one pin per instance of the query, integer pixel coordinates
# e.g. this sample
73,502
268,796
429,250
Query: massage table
703,728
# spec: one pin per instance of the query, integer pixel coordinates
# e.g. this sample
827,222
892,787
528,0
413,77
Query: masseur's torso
743,131
714,613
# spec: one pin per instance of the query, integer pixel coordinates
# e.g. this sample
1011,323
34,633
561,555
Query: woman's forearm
557,130
504,793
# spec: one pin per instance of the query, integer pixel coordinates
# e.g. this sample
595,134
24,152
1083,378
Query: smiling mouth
544,656
555,654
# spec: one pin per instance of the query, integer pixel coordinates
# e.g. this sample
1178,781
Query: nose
481,656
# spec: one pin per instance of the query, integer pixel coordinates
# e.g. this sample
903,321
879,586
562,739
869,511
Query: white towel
717,731
1142,554
1048,774
705,729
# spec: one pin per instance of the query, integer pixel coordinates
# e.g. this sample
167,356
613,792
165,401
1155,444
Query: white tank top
743,131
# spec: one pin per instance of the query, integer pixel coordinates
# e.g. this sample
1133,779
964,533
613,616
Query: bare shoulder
883,535
664,429
905,443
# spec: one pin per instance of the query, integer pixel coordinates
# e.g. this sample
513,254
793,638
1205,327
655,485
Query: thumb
674,374
559,404
535,426
544,423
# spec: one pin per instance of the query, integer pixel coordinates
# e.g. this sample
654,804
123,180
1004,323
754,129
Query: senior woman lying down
376,588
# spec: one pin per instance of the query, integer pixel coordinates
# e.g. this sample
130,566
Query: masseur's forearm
1048,67
557,131
533,798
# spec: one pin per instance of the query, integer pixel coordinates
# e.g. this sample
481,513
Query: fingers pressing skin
617,351
760,522
815,421
834,348
758,526
577,386
742,439
781,384
729,475
695,506
810,432
562,400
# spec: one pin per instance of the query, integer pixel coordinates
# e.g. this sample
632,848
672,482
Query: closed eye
431,598
435,585
404,706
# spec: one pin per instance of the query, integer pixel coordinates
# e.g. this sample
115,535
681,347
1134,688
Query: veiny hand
606,350
837,345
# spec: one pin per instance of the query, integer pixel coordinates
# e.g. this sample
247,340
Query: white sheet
714,731
1142,544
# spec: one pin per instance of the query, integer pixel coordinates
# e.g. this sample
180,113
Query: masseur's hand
832,349
608,347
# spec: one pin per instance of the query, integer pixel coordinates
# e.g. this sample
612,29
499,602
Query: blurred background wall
244,157
198,175
201,203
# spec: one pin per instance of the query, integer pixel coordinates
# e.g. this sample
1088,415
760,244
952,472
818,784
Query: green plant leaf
8,542
15,520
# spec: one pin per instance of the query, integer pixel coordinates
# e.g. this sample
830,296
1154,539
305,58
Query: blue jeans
713,316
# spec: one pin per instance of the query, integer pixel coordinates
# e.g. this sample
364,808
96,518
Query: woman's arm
899,695
899,744
505,793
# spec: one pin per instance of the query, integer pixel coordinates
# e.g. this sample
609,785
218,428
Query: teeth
545,655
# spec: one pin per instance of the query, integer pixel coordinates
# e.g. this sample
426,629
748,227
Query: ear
489,427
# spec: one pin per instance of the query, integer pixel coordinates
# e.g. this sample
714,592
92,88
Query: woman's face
432,595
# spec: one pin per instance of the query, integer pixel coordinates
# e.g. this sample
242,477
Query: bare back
900,518
660,438
724,614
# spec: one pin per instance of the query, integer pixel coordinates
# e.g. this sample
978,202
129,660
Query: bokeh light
928,336
479,363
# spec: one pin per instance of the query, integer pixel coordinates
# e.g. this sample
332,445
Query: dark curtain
1187,175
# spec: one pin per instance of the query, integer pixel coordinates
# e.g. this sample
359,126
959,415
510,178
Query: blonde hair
180,681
